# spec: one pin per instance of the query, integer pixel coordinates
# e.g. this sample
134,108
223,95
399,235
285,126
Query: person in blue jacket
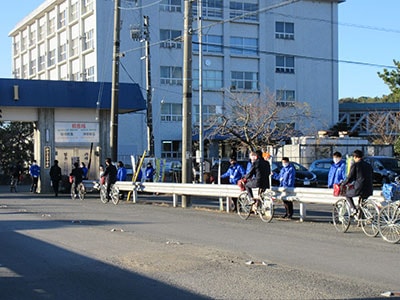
286,179
121,171
149,172
34,171
337,172
235,171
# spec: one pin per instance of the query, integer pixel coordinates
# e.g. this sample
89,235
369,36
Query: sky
369,40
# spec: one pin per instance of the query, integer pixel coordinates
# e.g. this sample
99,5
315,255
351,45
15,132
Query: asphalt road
57,248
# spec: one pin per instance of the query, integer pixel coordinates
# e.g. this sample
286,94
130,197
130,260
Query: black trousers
288,207
252,183
55,184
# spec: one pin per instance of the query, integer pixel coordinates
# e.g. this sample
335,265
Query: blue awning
69,94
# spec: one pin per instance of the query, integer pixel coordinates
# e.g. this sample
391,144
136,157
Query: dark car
303,178
385,168
320,168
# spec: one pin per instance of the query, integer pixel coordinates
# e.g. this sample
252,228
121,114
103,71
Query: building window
24,71
285,97
41,63
32,37
170,38
171,149
244,81
16,48
75,76
284,64
89,74
41,32
87,6
243,46
51,26
284,30
32,70
61,18
74,11
212,79
23,43
171,5
211,9
171,112
171,75
74,46
88,40
52,57
209,113
211,43
16,72
243,9
62,54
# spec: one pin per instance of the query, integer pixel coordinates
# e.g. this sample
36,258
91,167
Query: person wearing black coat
361,173
55,176
110,174
258,175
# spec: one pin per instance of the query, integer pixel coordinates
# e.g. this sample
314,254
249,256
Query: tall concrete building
289,48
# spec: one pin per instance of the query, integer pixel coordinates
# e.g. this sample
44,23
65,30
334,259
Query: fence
303,196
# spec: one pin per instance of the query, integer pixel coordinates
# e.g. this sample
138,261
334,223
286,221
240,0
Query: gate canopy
69,94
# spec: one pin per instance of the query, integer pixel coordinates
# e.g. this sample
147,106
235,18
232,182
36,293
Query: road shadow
34,269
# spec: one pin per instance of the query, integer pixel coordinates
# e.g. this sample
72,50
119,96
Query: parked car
303,177
320,168
385,168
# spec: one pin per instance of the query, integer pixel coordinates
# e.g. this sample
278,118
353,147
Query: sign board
47,157
76,132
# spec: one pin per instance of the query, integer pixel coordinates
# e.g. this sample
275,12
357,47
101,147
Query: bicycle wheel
73,194
244,206
389,223
103,193
266,209
114,195
341,215
81,191
369,220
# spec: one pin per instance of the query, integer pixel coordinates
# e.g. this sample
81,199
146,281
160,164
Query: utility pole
115,85
187,99
150,137
200,34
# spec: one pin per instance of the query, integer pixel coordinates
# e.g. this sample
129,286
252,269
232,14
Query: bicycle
366,216
389,222
114,194
78,192
264,207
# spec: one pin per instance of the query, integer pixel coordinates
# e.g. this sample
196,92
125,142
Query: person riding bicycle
110,174
261,170
77,174
361,173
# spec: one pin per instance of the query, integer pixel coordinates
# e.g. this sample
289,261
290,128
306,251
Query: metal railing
225,192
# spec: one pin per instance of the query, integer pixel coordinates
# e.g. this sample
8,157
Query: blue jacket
235,173
149,173
337,173
34,170
286,176
121,174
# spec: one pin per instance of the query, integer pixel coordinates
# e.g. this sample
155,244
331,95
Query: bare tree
252,122
384,127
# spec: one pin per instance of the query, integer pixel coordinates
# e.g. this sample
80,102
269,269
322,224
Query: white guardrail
303,196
